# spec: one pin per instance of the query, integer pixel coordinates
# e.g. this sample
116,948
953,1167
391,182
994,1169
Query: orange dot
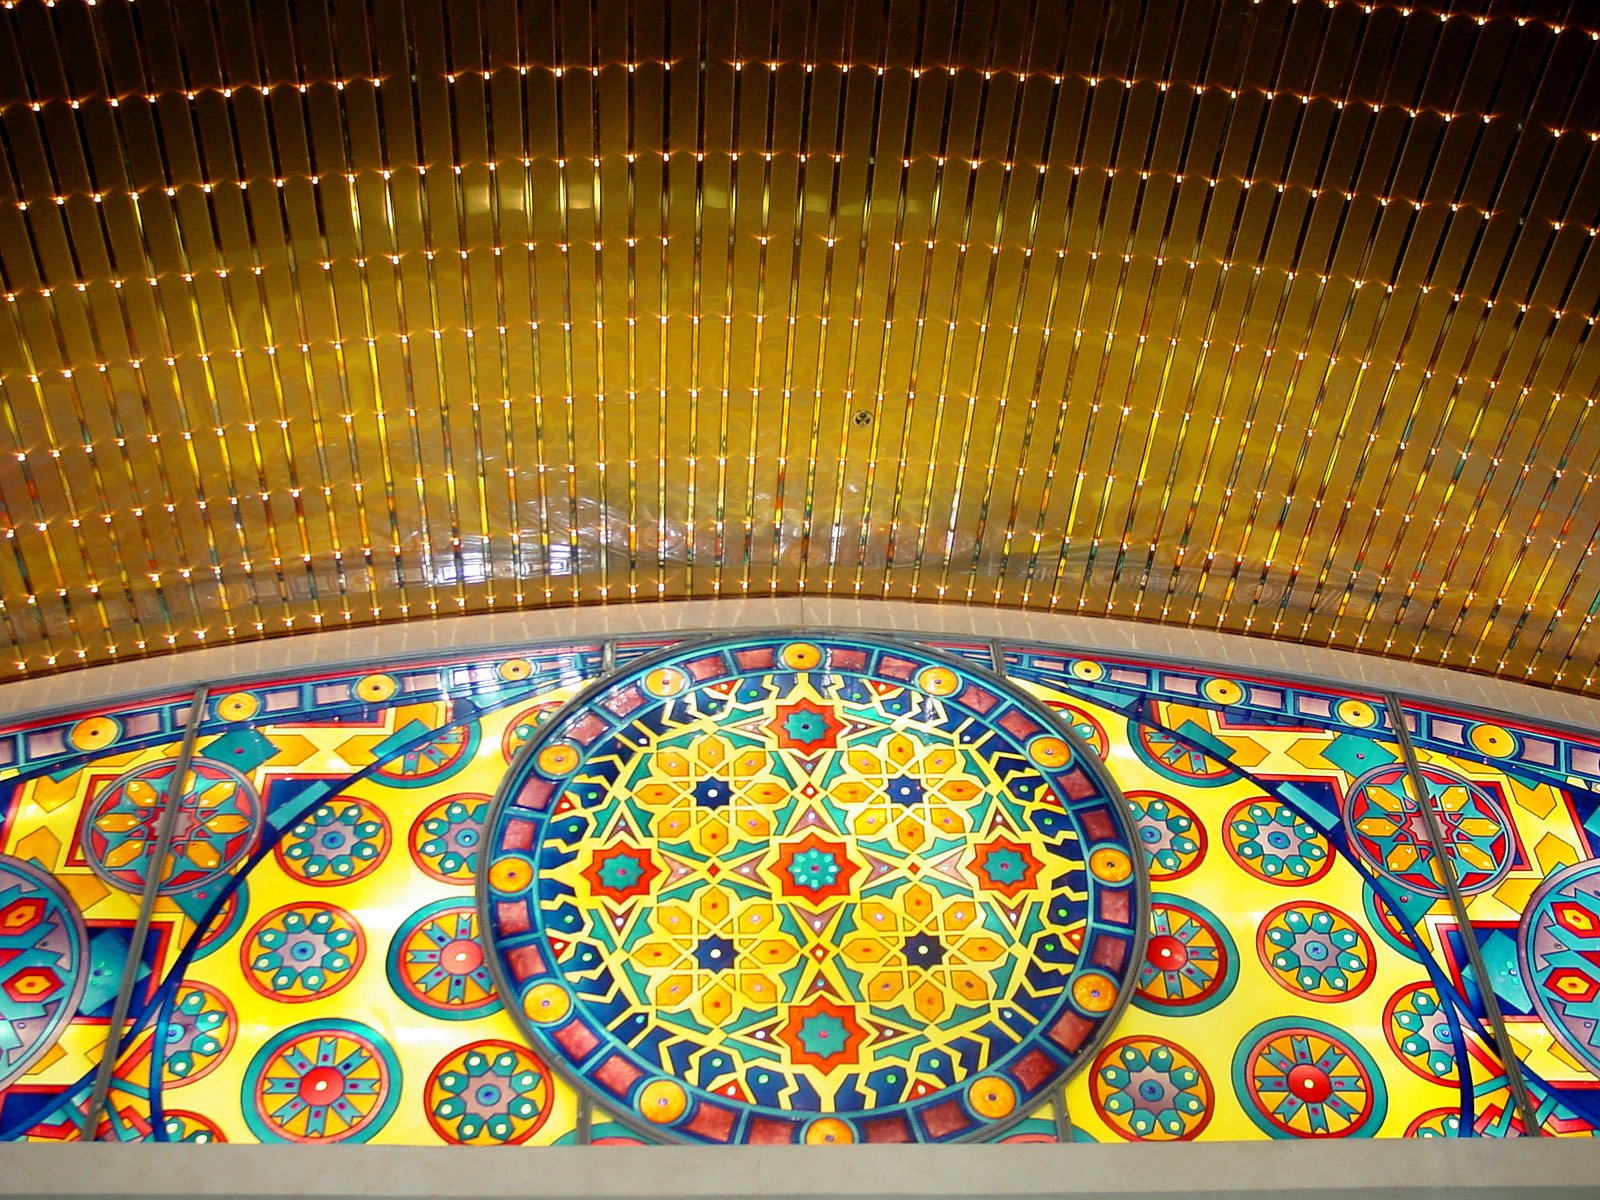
546,1003
801,656
829,1131
1050,751
1094,993
665,681
558,758
991,1097
662,1101
94,733
375,689
238,706
510,875
1110,864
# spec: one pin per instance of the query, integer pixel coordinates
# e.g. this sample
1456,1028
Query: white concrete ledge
448,635
1532,1169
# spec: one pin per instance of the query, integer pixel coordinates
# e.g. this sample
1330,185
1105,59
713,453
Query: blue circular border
520,957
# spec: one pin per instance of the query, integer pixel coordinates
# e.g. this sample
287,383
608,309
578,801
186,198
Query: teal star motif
1005,866
814,869
620,872
824,1035
805,727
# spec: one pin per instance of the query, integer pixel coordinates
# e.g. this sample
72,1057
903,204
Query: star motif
1006,867
806,726
923,950
814,870
621,873
823,1035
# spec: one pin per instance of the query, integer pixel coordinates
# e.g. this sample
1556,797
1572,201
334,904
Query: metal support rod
1458,905
155,876
997,658
585,1133
1063,1115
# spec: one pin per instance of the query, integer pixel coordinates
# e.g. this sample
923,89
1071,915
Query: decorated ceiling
825,887
1268,317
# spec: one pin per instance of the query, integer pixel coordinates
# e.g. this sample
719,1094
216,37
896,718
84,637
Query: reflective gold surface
1273,317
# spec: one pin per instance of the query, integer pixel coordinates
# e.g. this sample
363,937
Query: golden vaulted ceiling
1268,317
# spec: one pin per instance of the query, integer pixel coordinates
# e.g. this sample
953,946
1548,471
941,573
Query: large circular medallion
42,965
1149,1089
1558,945
831,890
488,1093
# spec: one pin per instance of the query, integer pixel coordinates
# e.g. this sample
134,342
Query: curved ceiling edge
1101,635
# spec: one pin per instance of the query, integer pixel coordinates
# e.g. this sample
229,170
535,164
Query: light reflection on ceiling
1268,317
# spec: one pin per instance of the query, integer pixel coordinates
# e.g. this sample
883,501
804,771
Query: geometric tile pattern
317,968
823,890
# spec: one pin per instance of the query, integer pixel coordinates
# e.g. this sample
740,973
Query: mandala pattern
1165,754
1389,829
431,759
1174,839
1190,963
1299,1078
1273,842
488,1094
322,1081
448,836
196,1035
1148,1089
302,952
1558,947
43,948
1315,951
335,842
1420,1031
216,825
815,902
831,891
437,963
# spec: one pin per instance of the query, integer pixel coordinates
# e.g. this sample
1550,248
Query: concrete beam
1532,1169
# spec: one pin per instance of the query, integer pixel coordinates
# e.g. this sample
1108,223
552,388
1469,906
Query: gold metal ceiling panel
1270,317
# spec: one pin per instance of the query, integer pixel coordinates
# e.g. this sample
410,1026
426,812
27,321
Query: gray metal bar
585,1119
1332,1169
1063,1114
1458,905
155,876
